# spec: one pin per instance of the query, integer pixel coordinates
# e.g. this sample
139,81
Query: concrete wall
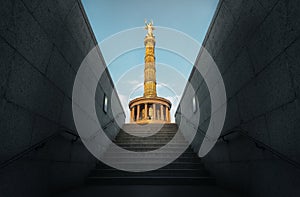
42,44
255,44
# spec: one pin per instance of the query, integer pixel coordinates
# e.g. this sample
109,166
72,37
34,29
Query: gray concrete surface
42,45
255,44
150,191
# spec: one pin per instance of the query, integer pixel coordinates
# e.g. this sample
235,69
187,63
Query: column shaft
161,112
167,114
154,111
146,111
138,113
131,115
133,110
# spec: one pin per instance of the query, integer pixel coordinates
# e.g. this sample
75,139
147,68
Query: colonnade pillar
161,112
146,111
154,111
141,112
167,114
133,110
131,115
138,113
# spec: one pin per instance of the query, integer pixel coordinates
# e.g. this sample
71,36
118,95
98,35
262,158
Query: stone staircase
185,170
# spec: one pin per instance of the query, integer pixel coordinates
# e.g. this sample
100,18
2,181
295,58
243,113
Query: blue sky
110,17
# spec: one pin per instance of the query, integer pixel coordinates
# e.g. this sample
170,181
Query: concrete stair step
159,142
128,159
140,135
145,148
175,165
141,150
149,132
160,180
112,150
160,172
154,131
153,138
185,170
162,155
150,144
121,156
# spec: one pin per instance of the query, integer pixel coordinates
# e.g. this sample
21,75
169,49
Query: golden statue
149,27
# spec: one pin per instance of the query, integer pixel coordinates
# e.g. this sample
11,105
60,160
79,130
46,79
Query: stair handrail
39,145
258,144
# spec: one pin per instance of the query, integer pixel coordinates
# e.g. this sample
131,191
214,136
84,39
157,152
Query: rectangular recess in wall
194,103
105,103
